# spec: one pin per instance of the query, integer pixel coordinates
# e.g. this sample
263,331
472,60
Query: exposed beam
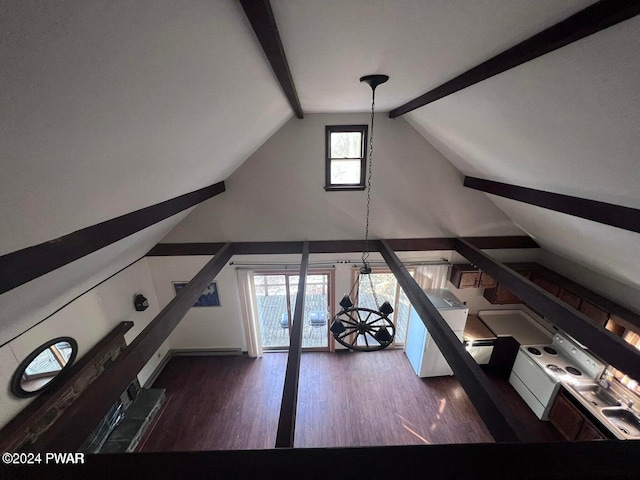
22,266
78,421
586,22
493,410
177,249
502,242
287,422
338,246
264,25
600,341
622,217
267,248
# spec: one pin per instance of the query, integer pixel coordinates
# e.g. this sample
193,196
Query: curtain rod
355,264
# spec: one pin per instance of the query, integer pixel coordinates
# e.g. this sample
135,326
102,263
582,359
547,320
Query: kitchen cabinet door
546,284
464,276
569,298
596,314
589,432
500,295
487,281
566,418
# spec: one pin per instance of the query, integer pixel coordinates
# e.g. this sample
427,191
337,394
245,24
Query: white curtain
431,276
249,309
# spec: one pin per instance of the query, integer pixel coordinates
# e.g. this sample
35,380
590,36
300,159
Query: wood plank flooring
344,399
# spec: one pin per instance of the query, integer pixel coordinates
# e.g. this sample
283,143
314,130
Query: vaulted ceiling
109,107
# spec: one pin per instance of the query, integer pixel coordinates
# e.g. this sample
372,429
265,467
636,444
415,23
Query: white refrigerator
423,353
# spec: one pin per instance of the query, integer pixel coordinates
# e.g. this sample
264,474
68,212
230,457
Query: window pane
272,311
345,172
346,145
44,363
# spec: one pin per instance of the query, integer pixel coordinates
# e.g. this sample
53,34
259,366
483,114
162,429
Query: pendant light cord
365,254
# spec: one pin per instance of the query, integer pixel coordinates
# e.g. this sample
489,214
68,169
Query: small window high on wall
346,153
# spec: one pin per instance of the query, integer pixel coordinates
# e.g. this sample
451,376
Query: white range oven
539,369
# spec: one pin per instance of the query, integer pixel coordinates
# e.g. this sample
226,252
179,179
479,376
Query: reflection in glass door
387,289
276,293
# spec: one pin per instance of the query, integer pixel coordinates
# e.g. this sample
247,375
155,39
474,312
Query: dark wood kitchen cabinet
569,298
571,422
546,284
566,418
500,295
594,313
468,276
464,276
589,432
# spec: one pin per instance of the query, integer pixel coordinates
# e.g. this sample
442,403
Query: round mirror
43,366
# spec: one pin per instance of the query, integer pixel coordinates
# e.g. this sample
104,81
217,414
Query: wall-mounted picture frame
209,297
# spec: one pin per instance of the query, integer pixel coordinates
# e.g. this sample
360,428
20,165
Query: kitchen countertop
517,324
475,330
594,411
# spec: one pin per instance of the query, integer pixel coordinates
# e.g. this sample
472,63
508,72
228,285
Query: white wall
201,327
278,193
87,319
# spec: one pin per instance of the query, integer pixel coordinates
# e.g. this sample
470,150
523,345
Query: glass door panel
316,309
316,312
387,289
271,298
276,299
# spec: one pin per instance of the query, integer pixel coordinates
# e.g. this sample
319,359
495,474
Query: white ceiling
567,122
109,107
420,44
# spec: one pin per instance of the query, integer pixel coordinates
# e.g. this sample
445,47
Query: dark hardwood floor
344,399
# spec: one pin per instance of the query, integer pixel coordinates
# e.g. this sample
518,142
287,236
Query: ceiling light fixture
360,328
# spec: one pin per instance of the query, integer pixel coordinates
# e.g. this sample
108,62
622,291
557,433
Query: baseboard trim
158,370
189,352
203,352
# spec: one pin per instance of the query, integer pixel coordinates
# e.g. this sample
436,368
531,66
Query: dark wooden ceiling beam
614,215
600,341
339,246
261,17
586,22
493,410
177,249
287,422
267,248
81,417
489,243
22,266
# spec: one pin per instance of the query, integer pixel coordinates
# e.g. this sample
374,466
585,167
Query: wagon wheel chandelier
356,327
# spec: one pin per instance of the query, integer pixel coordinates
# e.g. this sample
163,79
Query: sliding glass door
386,288
276,293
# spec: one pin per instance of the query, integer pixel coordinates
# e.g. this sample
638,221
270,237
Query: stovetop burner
574,371
534,350
550,351
556,369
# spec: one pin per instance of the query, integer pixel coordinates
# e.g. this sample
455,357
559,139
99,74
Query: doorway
275,294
